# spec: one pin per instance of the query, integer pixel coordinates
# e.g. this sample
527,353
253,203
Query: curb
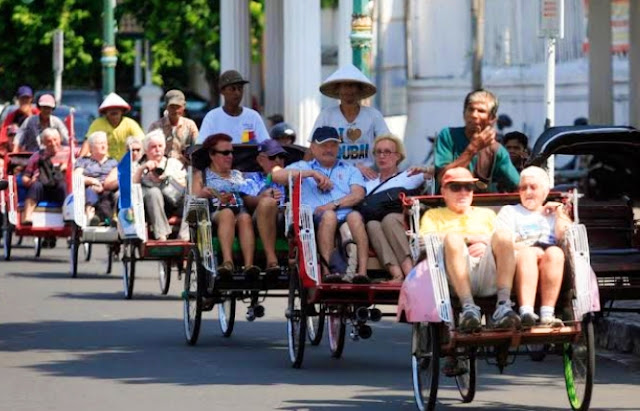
628,361
619,333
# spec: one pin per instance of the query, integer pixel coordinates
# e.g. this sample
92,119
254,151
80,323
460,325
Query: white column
634,64
274,58
302,65
235,47
600,66
345,11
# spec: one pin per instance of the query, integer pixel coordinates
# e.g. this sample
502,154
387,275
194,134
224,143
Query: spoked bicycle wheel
227,315
129,269
425,364
315,325
296,319
193,296
337,329
579,367
467,382
164,276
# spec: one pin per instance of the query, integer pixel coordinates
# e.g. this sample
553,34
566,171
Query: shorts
482,273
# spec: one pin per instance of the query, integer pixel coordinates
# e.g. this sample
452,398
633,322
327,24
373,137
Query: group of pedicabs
240,221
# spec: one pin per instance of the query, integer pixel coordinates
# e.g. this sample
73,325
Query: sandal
251,273
225,270
361,279
333,279
273,271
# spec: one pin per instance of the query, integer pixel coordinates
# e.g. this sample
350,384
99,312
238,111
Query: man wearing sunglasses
474,146
265,199
479,260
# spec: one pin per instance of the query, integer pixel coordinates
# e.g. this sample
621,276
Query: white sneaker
551,321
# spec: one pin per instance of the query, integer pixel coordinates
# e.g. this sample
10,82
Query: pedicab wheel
129,272
425,364
579,366
315,325
296,319
87,247
467,382
7,236
227,315
193,296
37,245
164,276
336,332
74,244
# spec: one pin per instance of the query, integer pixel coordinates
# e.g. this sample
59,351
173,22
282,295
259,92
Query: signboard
551,19
58,50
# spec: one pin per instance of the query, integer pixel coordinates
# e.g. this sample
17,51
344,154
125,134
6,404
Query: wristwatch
336,204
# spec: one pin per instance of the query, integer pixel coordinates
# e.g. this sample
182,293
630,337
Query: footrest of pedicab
100,234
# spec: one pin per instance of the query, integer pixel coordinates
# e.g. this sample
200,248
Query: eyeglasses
457,187
222,152
383,153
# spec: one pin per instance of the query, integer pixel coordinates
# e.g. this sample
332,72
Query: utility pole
109,53
477,42
361,36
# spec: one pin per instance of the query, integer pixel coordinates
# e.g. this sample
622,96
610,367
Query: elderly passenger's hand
323,182
477,249
98,188
551,207
151,165
367,172
321,209
207,192
483,138
271,193
428,172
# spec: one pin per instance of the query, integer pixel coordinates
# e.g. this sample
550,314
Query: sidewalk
620,332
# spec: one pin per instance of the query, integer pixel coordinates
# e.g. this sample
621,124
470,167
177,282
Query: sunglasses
277,156
222,152
457,187
135,150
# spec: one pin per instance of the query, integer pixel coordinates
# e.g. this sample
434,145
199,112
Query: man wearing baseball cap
24,95
27,138
331,187
243,124
179,131
479,260
265,199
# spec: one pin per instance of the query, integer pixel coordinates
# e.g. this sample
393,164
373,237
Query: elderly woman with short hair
538,227
100,178
388,237
153,175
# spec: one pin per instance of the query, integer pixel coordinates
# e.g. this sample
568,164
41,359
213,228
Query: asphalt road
75,344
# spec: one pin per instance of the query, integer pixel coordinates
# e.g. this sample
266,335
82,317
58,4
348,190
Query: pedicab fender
585,283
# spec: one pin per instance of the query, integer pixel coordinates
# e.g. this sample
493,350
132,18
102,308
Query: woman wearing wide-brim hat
118,127
357,125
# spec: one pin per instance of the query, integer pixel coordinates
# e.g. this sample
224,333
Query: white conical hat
114,101
347,74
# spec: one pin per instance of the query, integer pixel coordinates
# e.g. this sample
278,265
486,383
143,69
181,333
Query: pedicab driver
243,124
479,260
331,187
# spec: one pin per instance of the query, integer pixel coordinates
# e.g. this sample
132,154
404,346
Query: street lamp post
361,35
109,53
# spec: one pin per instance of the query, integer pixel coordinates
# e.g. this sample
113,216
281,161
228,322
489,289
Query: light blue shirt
342,175
257,183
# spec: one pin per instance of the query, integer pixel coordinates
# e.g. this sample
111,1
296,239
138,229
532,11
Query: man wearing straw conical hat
113,122
357,125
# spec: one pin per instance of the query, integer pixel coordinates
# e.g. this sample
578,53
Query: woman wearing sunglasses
538,228
226,187
155,174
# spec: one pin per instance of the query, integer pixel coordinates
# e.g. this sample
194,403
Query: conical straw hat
347,74
114,101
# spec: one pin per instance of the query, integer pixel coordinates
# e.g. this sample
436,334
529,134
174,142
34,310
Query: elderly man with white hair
100,179
163,179
538,227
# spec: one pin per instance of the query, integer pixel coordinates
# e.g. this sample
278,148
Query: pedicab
426,303
48,221
203,286
311,301
136,244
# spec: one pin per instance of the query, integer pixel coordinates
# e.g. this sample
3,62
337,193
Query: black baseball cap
323,134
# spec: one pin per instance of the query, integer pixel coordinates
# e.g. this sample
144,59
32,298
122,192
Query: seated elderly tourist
538,227
100,179
44,175
163,181
479,260
226,188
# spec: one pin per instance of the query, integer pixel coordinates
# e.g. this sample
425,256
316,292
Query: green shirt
452,142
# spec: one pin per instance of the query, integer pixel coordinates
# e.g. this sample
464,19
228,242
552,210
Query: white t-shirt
529,227
248,127
357,136
401,180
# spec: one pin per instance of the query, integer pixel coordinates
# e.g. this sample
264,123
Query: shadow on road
118,296
64,276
